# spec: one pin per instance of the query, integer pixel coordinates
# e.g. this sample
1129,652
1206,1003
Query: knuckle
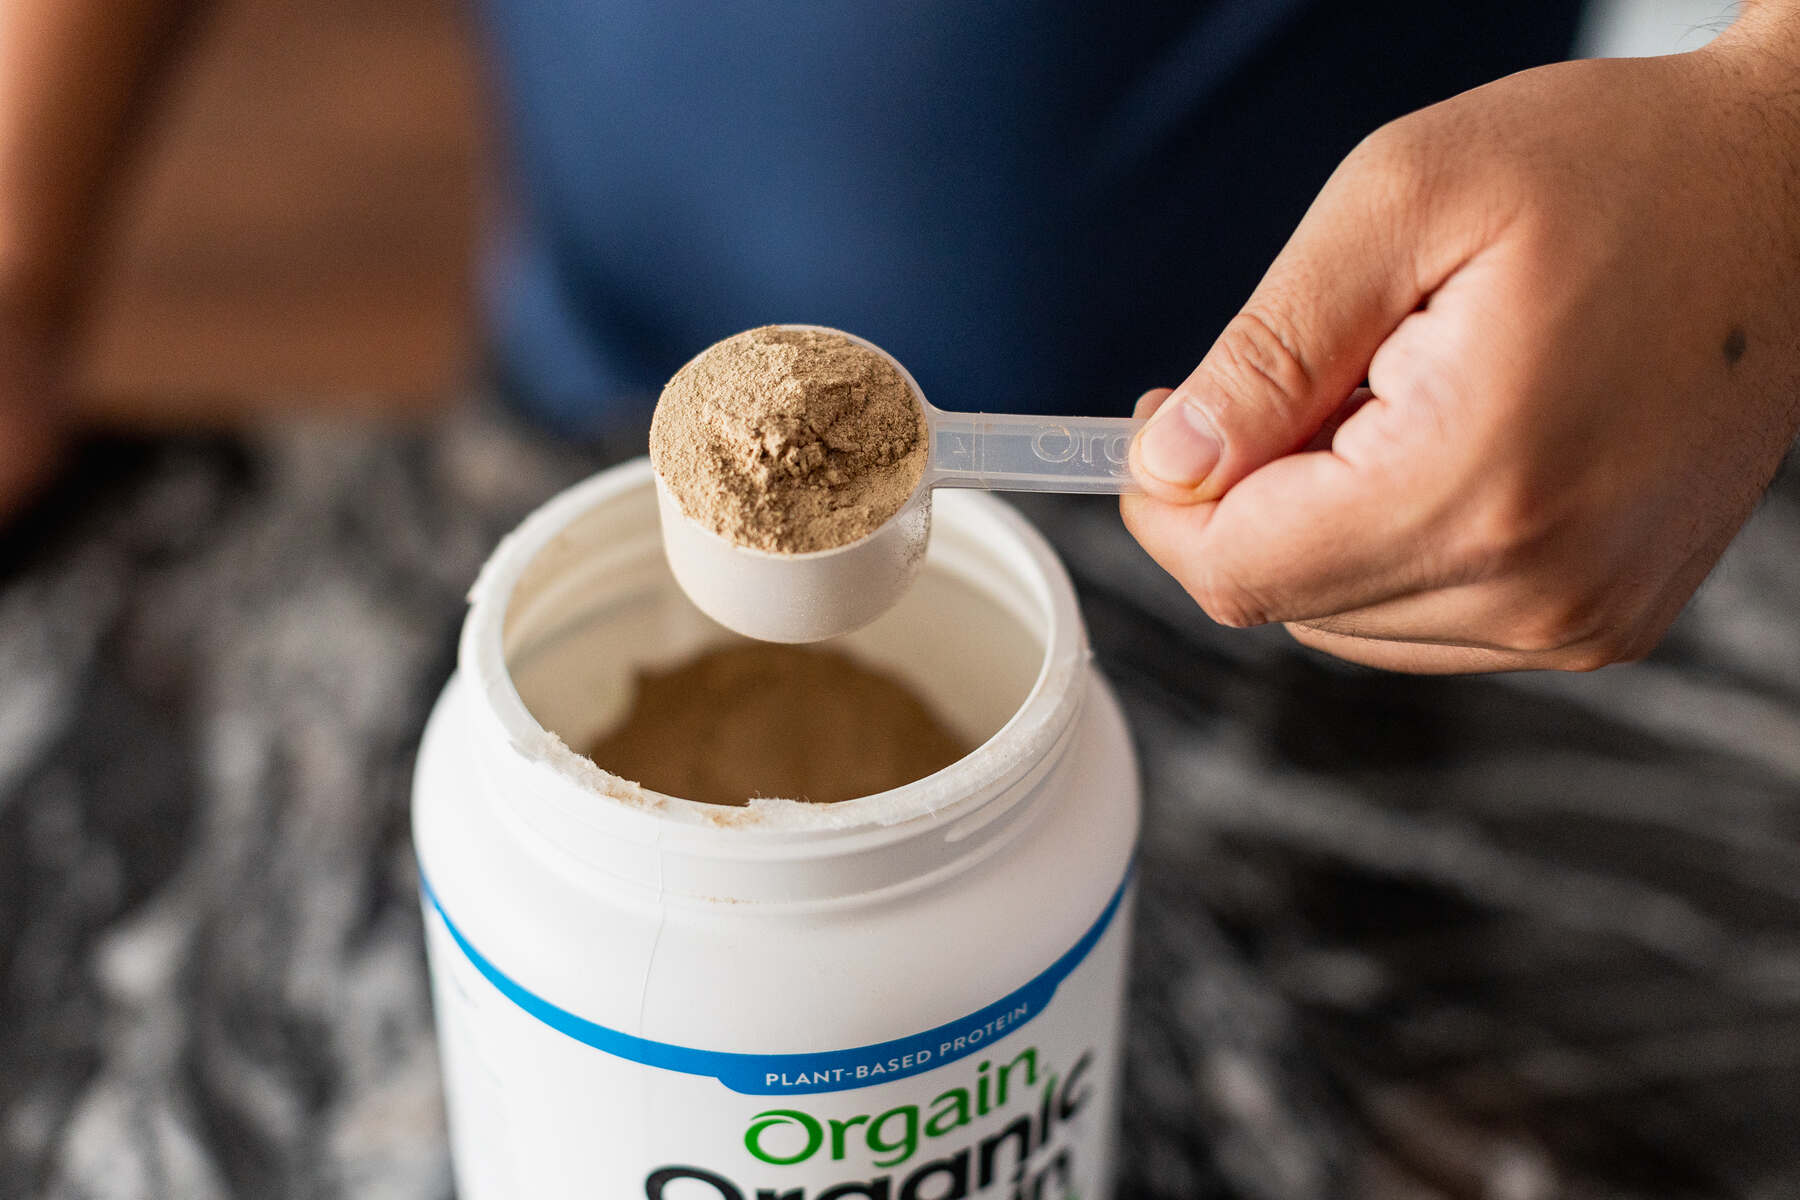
1258,356
1314,638
1415,370
1623,641
1573,625
1226,602
1393,166
1506,527
1383,151
1591,656
1133,513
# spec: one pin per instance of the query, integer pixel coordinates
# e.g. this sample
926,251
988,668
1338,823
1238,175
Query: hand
1574,296
32,433
74,79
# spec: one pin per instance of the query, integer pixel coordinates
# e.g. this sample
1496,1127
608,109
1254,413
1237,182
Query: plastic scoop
814,596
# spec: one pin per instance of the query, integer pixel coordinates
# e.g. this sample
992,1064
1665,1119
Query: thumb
1348,276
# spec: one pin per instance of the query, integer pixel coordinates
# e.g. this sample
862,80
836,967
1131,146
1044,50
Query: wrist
1763,43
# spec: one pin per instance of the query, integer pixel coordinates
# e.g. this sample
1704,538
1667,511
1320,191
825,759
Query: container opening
597,605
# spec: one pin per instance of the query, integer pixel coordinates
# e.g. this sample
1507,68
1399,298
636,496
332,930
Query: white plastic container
915,995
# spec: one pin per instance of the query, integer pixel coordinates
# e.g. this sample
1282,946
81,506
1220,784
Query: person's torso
1034,205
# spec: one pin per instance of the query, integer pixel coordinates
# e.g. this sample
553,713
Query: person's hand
1574,297
32,432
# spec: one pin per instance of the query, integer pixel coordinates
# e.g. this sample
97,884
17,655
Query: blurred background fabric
302,223
1517,938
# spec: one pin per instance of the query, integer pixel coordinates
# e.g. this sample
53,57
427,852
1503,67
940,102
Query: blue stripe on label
795,1074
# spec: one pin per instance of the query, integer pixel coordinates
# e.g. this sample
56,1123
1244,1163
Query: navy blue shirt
1040,206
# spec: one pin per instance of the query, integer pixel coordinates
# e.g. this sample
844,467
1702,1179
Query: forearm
73,78
1761,9
1767,31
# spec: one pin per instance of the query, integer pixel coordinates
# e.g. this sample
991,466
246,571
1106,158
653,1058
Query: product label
1014,1100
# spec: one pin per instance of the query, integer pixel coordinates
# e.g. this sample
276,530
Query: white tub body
913,996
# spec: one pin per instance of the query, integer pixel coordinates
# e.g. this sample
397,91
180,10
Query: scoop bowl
811,597
795,597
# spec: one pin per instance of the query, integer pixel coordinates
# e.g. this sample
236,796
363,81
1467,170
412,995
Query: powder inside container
773,720
789,440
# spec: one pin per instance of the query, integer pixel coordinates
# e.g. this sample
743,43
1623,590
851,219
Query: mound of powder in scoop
789,440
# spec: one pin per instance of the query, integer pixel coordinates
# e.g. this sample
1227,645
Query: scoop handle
1007,452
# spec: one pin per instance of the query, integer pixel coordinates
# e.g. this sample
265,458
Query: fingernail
1178,446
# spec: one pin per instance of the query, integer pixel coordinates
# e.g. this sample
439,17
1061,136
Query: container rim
594,798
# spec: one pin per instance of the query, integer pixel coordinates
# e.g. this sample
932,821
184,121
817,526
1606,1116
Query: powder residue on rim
789,440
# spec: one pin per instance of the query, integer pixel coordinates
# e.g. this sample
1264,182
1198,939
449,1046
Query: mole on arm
1735,345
